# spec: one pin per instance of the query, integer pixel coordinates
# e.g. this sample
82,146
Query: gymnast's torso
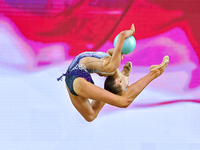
83,65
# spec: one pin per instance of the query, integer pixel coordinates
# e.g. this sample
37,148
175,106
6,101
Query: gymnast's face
122,81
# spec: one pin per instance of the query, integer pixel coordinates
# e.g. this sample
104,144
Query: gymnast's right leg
89,110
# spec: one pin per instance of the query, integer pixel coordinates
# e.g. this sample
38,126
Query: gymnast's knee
90,118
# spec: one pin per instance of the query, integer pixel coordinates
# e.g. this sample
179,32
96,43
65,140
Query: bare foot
127,68
159,69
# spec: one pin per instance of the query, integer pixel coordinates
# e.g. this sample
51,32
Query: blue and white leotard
76,69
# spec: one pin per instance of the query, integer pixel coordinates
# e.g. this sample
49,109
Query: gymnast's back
91,62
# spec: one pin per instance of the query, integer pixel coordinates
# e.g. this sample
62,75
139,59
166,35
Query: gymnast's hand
133,28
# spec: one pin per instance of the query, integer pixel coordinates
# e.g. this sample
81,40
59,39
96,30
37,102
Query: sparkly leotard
77,69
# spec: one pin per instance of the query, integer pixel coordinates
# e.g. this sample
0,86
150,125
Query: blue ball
129,44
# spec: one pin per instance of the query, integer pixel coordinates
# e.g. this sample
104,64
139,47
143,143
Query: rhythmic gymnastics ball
129,44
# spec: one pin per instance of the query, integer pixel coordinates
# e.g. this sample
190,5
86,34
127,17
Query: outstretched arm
136,88
101,96
113,63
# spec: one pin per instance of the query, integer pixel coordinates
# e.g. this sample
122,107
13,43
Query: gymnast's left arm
113,62
110,52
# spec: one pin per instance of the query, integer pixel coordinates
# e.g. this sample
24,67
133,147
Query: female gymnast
81,88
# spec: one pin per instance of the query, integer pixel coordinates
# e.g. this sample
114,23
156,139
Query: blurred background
39,39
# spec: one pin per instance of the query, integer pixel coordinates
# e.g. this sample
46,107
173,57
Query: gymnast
117,91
